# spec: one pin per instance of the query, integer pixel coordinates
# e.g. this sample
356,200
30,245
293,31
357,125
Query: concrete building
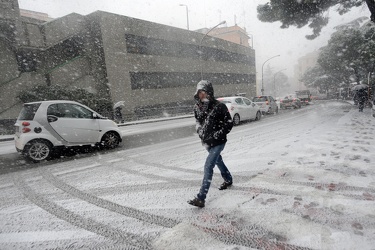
305,63
146,65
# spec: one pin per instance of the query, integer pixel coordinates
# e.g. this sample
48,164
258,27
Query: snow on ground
302,180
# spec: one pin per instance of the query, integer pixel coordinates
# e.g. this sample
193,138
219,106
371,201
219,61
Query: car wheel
38,150
258,116
236,119
110,140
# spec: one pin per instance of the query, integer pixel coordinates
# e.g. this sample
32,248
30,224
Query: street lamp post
262,90
187,15
274,85
200,44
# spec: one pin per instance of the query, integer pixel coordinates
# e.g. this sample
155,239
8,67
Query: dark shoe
196,202
225,185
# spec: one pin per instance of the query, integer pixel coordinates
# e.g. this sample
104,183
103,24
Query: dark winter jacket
361,95
213,121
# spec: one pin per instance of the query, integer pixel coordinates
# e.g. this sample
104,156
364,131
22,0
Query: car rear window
28,111
259,99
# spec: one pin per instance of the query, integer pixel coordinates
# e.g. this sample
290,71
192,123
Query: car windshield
28,111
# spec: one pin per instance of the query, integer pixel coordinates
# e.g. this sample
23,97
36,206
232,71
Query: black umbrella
360,86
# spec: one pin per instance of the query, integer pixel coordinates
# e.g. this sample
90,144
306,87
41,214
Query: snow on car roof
53,101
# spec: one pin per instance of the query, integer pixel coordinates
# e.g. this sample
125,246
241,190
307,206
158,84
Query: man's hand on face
202,95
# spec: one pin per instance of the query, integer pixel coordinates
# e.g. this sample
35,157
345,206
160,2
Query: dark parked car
290,102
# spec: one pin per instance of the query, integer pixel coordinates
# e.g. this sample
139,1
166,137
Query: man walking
362,98
213,123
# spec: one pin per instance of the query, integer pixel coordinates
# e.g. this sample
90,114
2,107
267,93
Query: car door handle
52,118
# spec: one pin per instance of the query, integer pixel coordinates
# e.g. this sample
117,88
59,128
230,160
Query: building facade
305,63
234,34
146,65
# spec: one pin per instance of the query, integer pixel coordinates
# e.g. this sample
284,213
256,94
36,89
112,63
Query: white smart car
43,126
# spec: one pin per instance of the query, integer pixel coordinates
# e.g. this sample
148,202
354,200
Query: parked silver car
267,104
241,109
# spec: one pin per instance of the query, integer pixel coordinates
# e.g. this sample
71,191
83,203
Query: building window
157,80
153,46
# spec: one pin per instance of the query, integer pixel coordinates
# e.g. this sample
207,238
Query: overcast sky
269,39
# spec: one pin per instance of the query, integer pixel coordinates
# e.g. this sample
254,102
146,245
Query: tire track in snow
118,236
111,206
261,239
233,238
265,240
170,183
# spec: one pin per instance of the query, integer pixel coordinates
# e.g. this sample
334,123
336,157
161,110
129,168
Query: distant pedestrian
118,115
362,98
213,123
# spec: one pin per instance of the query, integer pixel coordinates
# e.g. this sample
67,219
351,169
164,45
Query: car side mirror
96,116
253,104
52,118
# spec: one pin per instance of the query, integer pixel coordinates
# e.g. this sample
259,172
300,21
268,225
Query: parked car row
242,108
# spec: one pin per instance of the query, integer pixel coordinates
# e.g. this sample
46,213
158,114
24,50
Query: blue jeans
213,158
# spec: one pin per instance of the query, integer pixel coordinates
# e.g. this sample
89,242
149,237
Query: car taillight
25,129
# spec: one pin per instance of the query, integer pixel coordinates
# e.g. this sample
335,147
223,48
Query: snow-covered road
302,180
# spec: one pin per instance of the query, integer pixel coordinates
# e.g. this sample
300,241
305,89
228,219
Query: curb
7,139
154,120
